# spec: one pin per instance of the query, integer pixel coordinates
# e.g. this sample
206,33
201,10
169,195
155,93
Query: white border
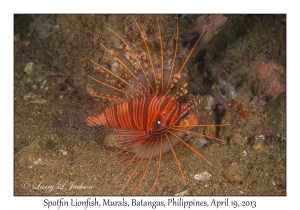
8,9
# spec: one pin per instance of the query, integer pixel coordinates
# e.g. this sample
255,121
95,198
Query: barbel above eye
185,115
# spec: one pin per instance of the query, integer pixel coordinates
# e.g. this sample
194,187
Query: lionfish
144,111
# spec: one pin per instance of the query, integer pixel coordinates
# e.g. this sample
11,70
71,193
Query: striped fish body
145,114
140,124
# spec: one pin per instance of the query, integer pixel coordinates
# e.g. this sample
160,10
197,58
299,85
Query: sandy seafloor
54,148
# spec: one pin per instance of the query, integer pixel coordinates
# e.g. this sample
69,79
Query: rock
203,176
39,101
185,192
259,141
29,68
64,152
17,37
26,43
236,172
238,139
29,95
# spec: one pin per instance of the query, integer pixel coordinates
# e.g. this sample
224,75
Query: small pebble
26,43
186,192
238,139
37,161
257,146
29,95
260,138
203,176
64,152
39,101
236,172
17,37
42,85
29,68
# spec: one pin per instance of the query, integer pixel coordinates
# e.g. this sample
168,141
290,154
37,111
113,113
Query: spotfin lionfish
144,112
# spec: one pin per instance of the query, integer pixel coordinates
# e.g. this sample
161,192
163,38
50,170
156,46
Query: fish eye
157,124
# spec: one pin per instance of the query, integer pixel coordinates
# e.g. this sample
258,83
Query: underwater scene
150,104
